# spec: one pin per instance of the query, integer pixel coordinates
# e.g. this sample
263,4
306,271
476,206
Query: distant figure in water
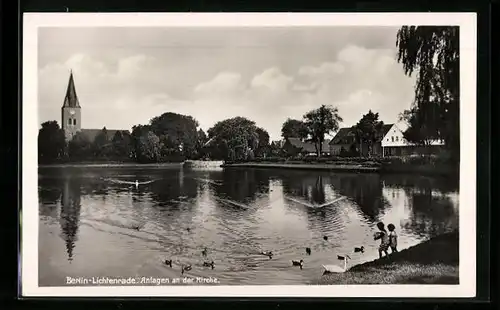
384,239
308,251
136,183
204,252
393,238
168,262
188,229
299,263
325,238
267,253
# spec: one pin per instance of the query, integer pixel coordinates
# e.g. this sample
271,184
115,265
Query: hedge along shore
422,169
434,261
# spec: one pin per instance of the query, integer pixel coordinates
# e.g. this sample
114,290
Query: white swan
336,268
316,206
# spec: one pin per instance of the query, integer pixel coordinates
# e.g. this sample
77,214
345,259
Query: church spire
71,99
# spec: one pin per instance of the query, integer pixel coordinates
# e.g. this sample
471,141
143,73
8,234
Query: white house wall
395,138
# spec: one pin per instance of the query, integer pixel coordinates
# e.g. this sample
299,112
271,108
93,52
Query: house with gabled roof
345,141
296,146
394,143
71,116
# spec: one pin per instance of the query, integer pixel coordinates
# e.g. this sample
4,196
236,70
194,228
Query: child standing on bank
393,238
384,239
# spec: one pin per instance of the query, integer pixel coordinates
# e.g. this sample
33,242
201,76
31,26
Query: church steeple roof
71,99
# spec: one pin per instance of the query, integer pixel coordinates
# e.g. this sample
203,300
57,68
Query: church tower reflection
70,214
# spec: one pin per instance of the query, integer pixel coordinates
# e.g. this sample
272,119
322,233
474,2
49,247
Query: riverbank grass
432,262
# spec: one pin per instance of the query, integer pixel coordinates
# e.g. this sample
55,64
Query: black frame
11,73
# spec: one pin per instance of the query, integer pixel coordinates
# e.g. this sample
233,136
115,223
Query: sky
126,76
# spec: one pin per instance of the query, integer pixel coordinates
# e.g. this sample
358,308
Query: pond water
87,219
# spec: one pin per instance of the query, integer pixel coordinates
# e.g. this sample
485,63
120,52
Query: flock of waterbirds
270,254
299,263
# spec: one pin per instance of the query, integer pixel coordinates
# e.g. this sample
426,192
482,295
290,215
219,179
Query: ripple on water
95,221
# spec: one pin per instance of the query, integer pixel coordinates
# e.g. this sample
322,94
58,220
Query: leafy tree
121,144
101,145
368,131
419,130
293,128
137,132
80,147
319,122
178,131
51,142
263,142
233,138
202,137
148,148
275,148
433,53
200,144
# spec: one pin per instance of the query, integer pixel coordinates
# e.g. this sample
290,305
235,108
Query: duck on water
299,263
186,268
267,253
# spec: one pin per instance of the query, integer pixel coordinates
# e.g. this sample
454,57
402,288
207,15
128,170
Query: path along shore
431,262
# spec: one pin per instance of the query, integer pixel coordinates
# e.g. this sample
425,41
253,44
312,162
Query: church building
71,116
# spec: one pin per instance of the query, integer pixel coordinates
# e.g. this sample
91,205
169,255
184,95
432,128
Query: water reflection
365,190
70,213
234,213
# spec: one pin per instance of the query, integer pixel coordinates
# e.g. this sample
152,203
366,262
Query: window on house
392,138
74,121
397,139
69,121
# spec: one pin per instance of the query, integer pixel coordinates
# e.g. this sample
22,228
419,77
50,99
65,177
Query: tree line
176,137
429,51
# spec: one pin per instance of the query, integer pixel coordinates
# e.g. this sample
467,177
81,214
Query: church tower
71,112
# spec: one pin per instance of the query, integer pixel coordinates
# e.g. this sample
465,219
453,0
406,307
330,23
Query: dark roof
346,135
308,146
92,133
71,99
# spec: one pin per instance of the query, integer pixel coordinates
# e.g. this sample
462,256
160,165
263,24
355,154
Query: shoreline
324,167
435,261
359,168
331,167
110,165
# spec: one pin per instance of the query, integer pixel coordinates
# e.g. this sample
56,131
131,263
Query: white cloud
325,69
225,83
129,67
272,79
134,88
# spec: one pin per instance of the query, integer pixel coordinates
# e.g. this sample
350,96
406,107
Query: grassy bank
421,164
432,262
304,166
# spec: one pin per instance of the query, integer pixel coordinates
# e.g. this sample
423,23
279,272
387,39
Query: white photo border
467,202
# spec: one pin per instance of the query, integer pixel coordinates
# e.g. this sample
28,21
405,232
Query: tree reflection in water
70,213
